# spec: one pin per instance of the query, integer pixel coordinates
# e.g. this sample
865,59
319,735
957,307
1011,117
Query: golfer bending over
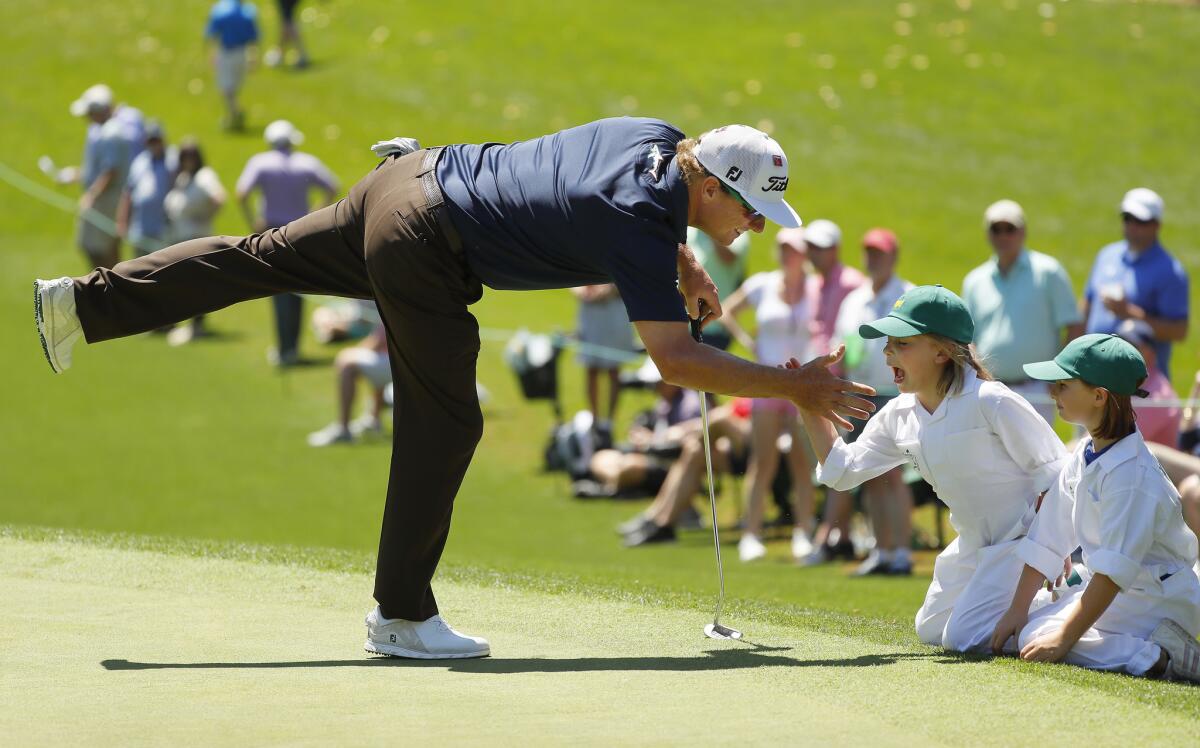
422,234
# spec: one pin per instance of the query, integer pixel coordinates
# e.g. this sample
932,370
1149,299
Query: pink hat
881,239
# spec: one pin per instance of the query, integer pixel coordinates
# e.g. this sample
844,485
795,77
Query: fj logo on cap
733,174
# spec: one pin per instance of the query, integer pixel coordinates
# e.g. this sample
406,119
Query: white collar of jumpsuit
1124,450
908,400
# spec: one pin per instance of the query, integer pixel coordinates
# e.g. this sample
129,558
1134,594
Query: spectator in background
830,286
232,30
783,310
289,35
1022,304
195,198
141,218
887,500
284,177
1136,278
367,360
726,265
114,137
606,341
1158,416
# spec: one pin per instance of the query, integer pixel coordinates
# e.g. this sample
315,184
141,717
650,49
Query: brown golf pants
388,240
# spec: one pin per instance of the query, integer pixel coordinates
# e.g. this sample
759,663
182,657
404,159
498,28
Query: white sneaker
57,323
181,334
366,425
1181,647
423,640
750,548
331,434
802,546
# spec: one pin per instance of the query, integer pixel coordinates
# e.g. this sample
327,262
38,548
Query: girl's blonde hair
689,166
961,356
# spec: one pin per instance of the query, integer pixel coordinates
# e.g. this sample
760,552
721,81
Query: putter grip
695,325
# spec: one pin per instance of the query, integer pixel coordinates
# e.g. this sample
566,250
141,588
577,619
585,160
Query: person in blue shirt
1137,278
422,234
233,30
141,217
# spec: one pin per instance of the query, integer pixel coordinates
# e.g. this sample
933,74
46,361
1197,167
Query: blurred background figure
830,286
195,198
289,36
344,319
1022,304
1158,421
1136,278
141,217
726,265
605,336
114,138
367,360
284,177
784,313
232,31
887,500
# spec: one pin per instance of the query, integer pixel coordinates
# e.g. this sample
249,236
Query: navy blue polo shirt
602,202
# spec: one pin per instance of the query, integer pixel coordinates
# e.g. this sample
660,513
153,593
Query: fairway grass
104,645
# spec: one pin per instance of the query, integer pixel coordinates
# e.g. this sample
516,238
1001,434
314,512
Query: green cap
1100,360
924,309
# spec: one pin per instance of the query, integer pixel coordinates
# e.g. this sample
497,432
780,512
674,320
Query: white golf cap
94,99
282,133
1004,211
822,233
1143,204
753,164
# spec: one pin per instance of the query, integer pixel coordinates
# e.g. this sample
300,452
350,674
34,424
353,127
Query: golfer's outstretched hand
819,391
699,291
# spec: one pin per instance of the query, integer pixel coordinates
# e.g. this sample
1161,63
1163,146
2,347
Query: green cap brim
893,326
1047,371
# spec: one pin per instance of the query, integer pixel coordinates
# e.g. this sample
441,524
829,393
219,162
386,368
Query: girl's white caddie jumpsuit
1125,514
988,455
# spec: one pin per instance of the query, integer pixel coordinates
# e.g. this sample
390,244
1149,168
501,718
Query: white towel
401,146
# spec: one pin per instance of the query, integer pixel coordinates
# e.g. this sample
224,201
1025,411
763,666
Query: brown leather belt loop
436,200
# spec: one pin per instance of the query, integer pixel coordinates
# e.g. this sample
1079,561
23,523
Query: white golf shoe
751,548
332,434
57,323
802,546
432,639
1181,647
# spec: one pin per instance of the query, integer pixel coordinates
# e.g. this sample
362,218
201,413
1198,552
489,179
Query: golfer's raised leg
319,253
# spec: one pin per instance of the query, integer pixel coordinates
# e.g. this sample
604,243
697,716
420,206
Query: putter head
715,630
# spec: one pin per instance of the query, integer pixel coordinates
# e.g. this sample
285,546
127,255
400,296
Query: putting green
115,646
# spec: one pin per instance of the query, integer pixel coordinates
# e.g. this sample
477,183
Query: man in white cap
1022,303
284,177
833,281
114,137
422,234
1136,278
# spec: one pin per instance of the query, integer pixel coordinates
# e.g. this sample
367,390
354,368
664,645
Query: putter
714,630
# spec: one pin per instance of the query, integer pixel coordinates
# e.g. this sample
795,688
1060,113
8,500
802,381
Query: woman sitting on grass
984,449
1136,607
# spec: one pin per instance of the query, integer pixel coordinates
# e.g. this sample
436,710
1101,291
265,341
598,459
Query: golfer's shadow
739,658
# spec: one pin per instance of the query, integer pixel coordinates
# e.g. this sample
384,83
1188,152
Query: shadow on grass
713,659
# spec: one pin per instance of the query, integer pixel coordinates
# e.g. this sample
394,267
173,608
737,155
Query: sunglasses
751,213
1131,218
1002,228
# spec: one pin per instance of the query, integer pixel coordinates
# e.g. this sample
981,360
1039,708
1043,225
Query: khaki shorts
375,366
231,69
96,236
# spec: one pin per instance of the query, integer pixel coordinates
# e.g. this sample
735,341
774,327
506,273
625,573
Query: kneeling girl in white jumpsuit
1138,609
984,449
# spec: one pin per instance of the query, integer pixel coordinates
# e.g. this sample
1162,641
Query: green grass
204,445
175,647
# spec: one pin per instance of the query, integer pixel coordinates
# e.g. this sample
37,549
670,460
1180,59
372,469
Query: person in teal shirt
726,265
